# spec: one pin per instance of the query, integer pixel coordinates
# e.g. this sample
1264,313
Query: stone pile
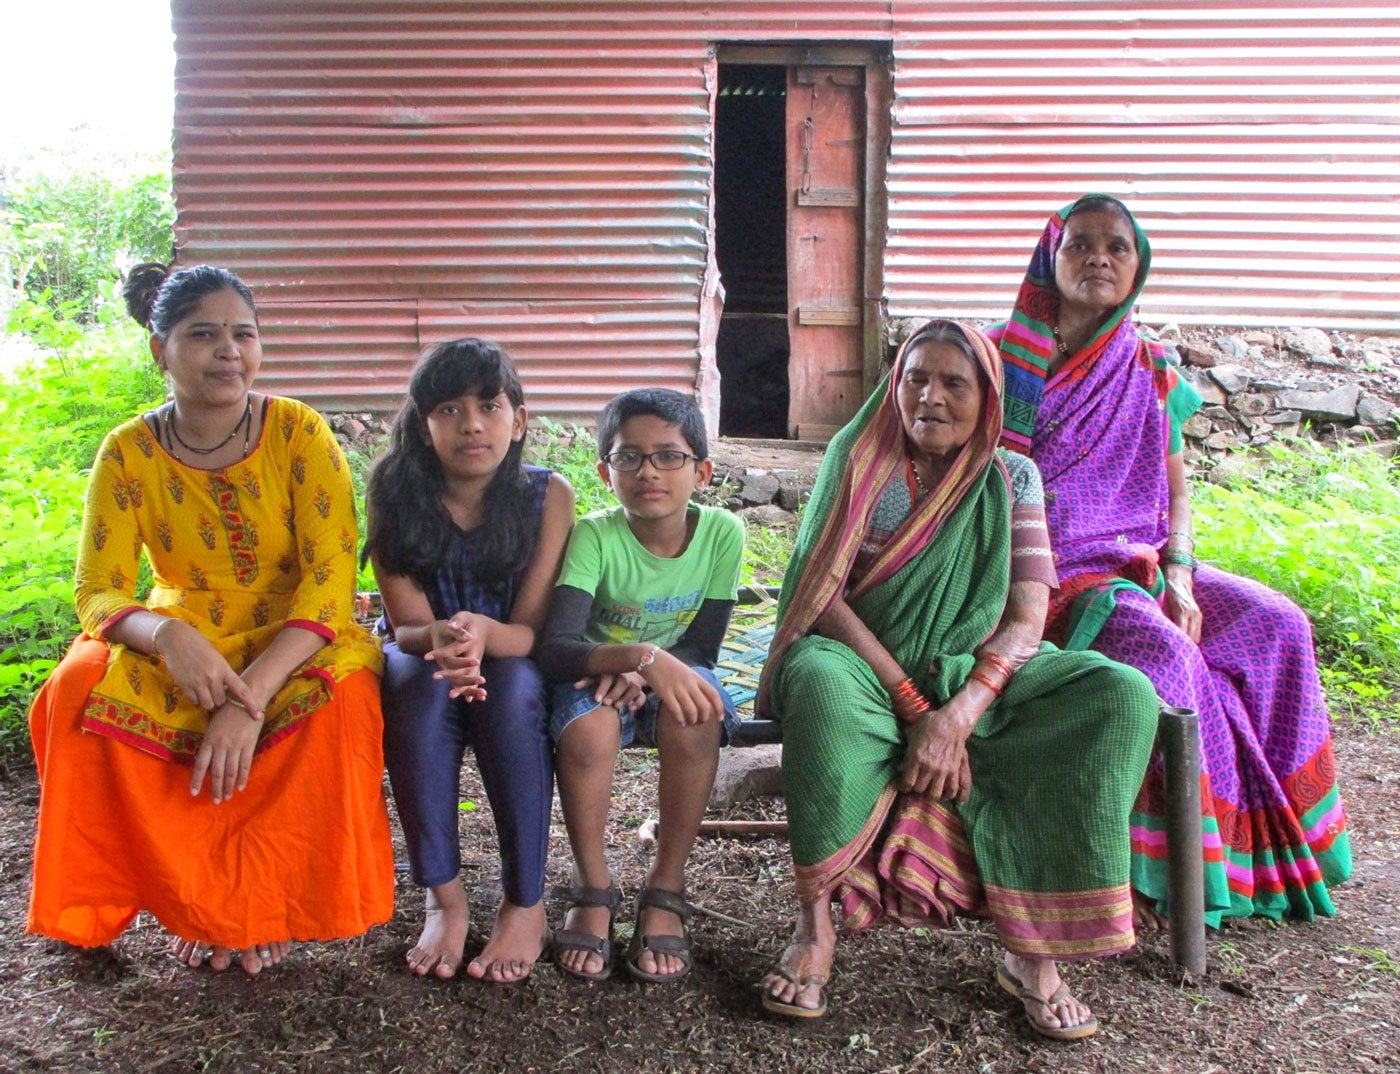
1260,384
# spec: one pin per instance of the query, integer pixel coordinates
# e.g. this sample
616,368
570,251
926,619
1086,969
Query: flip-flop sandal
574,940
675,946
1012,984
792,1010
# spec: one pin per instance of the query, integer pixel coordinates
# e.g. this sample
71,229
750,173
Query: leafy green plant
66,234
1321,525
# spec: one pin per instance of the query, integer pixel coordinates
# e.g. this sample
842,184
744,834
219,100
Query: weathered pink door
825,241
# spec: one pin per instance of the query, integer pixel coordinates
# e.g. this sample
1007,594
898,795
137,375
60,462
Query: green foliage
53,415
66,235
570,450
1321,525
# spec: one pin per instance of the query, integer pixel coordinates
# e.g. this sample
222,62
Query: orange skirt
302,854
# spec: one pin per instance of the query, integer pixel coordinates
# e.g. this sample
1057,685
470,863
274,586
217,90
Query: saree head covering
872,447
1100,429
934,591
1028,340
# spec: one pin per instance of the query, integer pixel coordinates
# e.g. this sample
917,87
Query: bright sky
106,66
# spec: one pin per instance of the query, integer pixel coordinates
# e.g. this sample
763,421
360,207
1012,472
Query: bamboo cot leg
1181,756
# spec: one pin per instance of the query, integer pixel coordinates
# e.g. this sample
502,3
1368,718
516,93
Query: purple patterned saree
1099,429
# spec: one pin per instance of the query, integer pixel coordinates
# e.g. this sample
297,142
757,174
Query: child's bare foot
263,956
193,953
517,940
444,937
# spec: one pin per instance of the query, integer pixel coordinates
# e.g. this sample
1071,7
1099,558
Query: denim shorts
568,702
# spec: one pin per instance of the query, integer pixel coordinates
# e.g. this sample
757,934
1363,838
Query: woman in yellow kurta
213,755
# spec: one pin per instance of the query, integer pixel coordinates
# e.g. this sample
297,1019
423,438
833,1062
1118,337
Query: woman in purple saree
1097,406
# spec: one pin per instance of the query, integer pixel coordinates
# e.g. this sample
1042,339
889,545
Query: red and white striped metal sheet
388,174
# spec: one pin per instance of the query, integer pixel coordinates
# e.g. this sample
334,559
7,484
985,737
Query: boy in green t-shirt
639,611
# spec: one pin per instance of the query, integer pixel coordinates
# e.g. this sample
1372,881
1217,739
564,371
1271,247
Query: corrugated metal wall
389,174
1259,145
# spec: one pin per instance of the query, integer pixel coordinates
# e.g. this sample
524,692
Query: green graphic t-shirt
641,597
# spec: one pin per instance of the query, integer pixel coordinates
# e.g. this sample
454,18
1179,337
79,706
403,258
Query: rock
1222,441
1231,378
1339,404
1169,333
356,429
767,514
1172,355
1384,448
1381,343
1198,354
1374,360
1328,361
1312,386
747,773
1360,434
1208,390
1217,414
1307,342
1197,427
1252,404
1352,351
1256,354
758,487
1259,338
1373,410
1284,417
793,493
1233,347
1264,385
1338,340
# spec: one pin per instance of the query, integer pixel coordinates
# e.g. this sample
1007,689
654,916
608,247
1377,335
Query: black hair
670,406
1099,203
159,299
410,531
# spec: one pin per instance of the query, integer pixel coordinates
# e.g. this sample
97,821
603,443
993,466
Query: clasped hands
935,760
685,695
459,643
225,753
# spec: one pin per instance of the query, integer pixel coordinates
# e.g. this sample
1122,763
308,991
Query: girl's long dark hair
410,531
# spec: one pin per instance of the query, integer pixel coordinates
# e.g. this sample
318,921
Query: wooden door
825,247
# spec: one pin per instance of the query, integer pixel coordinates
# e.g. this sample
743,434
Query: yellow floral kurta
239,553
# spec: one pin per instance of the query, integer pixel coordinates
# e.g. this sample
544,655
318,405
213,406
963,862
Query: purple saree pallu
1275,829
1100,429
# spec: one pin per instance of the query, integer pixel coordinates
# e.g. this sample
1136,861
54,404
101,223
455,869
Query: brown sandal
575,940
675,946
1012,984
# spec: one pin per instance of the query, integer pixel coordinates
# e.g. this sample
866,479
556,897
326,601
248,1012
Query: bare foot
444,937
193,953
593,921
517,940
1146,917
1047,1010
263,956
805,962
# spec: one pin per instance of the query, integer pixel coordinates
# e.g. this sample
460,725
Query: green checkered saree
1042,844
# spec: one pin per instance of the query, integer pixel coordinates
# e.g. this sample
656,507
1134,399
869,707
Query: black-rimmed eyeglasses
630,461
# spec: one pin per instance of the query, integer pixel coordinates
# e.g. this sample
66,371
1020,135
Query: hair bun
142,287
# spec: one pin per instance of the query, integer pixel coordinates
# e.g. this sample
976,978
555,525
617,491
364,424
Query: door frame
876,60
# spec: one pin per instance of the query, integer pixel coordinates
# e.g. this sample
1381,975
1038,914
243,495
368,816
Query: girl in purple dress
1097,406
466,543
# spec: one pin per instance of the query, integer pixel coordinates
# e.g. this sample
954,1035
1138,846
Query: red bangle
997,662
995,688
909,702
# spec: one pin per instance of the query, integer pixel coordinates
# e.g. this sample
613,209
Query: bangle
649,659
998,663
909,701
1180,558
155,634
994,687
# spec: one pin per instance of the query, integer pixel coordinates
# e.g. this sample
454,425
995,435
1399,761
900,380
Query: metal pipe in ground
1181,755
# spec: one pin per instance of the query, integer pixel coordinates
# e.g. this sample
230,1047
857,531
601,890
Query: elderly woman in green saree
938,758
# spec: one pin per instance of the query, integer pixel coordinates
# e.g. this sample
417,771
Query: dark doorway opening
752,347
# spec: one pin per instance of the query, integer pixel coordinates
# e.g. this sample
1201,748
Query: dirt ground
1295,998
